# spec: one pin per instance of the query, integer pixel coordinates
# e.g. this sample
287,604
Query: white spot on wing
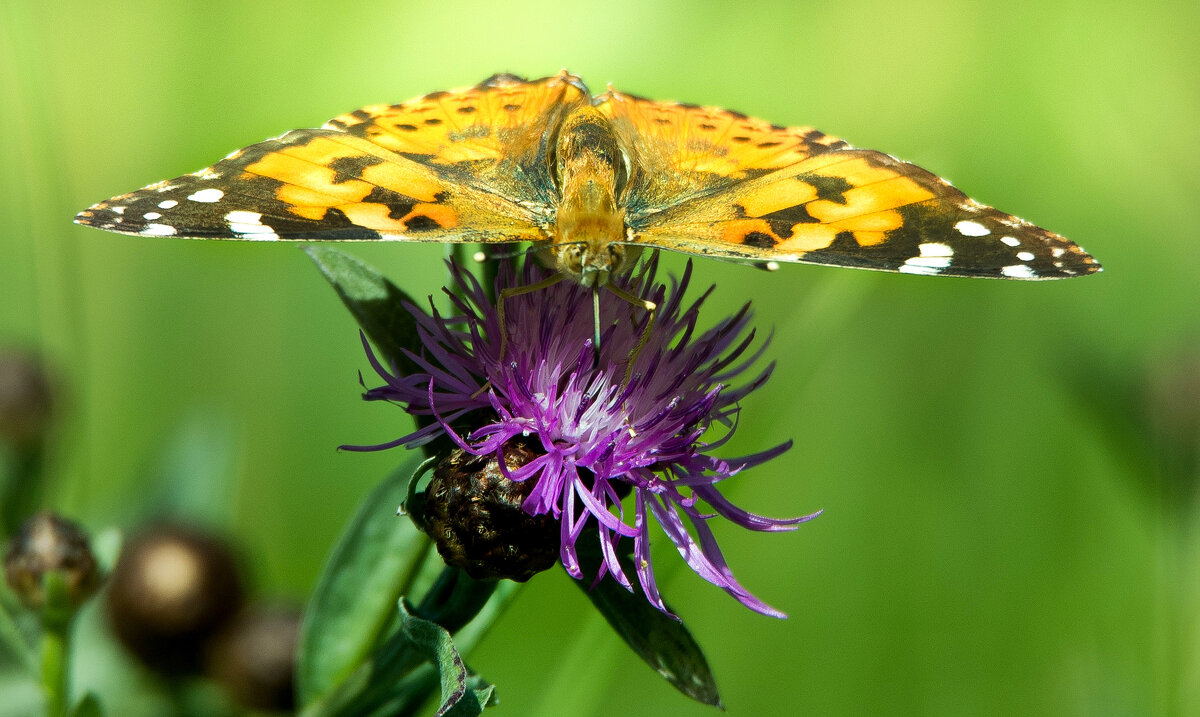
117,210
909,268
242,217
936,249
1018,271
1011,241
1025,255
167,204
1057,251
969,228
151,215
207,196
248,225
158,230
932,262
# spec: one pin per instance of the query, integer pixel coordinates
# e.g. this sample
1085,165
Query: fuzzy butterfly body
592,181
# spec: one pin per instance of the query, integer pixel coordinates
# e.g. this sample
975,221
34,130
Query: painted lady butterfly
592,181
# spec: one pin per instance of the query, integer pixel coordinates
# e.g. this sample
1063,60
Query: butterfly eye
616,256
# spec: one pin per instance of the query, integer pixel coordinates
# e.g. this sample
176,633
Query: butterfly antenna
506,294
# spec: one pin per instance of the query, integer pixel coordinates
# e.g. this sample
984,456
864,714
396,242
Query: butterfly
591,181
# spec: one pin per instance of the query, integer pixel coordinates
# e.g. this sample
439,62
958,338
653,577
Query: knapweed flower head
598,435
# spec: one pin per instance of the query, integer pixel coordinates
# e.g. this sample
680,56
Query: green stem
55,647
57,615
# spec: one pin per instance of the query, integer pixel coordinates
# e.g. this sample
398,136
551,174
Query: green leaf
89,706
372,565
663,642
461,696
375,302
395,681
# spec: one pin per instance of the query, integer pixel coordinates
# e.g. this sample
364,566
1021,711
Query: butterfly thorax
589,224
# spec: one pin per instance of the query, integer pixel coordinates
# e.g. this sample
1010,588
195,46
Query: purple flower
600,436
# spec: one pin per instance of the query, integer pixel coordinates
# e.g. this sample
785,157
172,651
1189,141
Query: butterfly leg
506,294
509,293
650,307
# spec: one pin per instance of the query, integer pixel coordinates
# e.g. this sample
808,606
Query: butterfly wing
463,165
756,192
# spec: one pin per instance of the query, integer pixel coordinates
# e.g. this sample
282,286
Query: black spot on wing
398,205
419,157
420,222
348,168
783,220
760,240
831,189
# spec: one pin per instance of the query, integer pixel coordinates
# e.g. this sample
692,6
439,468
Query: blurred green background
1005,530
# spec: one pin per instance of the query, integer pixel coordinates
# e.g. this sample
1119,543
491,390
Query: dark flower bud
47,543
25,398
474,515
255,658
172,591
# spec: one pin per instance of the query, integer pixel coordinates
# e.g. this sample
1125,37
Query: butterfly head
593,264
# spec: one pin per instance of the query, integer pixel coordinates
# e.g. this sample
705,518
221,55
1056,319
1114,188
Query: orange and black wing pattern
712,182
462,165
